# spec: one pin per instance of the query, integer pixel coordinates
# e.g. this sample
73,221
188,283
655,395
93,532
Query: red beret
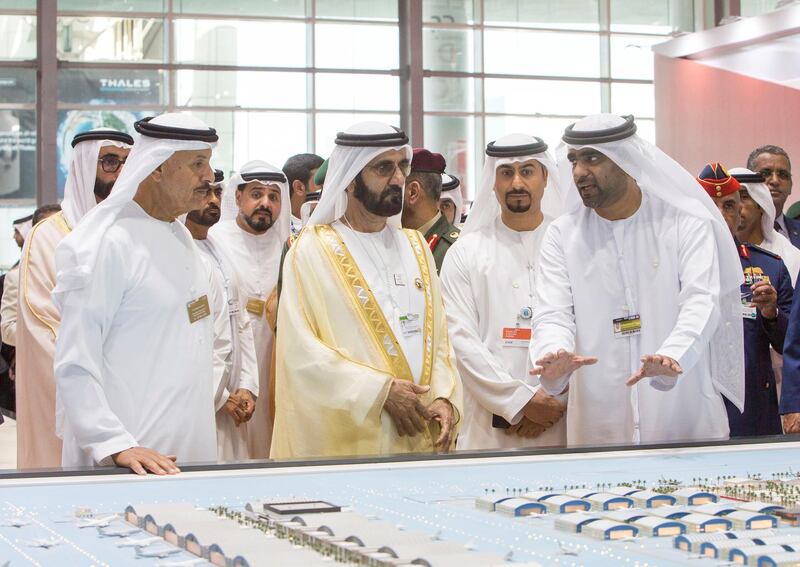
716,181
424,160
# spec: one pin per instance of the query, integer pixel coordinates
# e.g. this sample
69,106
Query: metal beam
412,120
46,101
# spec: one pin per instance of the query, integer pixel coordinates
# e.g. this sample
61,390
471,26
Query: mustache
262,210
210,208
518,192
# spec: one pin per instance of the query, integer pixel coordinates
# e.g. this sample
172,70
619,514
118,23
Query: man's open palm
554,365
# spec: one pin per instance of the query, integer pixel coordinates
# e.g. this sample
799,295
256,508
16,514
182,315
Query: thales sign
124,85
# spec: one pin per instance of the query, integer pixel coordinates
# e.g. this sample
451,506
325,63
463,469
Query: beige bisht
38,445
337,355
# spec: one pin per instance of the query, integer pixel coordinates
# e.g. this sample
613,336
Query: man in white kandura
640,280
488,287
97,159
140,312
255,224
236,393
364,366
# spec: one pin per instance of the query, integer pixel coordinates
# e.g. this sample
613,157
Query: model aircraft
45,543
157,552
117,531
14,523
96,522
141,542
566,550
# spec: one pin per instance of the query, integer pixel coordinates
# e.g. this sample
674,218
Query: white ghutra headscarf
79,196
513,148
355,148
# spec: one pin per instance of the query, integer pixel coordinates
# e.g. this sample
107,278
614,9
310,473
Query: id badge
256,306
233,307
627,326
516,337
410,324
198,309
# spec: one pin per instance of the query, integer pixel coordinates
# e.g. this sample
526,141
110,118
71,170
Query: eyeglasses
781,173
386,169
111,164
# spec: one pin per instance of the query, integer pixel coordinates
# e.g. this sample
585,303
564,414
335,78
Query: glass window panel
357,92
757,7
248,89
71,122
9,250
564,14
449,94
636,99
655,16
111,39
448,50
112,6
18,5
357,9
454,138
632,56
520,96
230,42
17,37
17,154
245,136
646,129
17,86
548,129
448,11
356,46
522,52
328,124
274,8
112,86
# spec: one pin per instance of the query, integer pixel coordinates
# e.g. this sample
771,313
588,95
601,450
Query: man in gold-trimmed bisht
98,157
364,366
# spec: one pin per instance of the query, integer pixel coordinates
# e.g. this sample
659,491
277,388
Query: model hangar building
298,533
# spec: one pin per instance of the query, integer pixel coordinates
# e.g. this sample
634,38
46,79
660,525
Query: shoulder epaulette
452,235
763,251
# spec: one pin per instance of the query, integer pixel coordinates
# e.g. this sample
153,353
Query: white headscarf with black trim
282,225
347,161
79,197
486,209
77,253
453,194
773,241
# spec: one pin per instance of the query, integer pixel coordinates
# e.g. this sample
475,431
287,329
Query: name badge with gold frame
198,309
256,306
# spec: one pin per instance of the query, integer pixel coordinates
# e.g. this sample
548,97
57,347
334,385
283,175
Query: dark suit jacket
793,226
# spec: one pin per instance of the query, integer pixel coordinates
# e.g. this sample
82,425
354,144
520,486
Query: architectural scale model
712,505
